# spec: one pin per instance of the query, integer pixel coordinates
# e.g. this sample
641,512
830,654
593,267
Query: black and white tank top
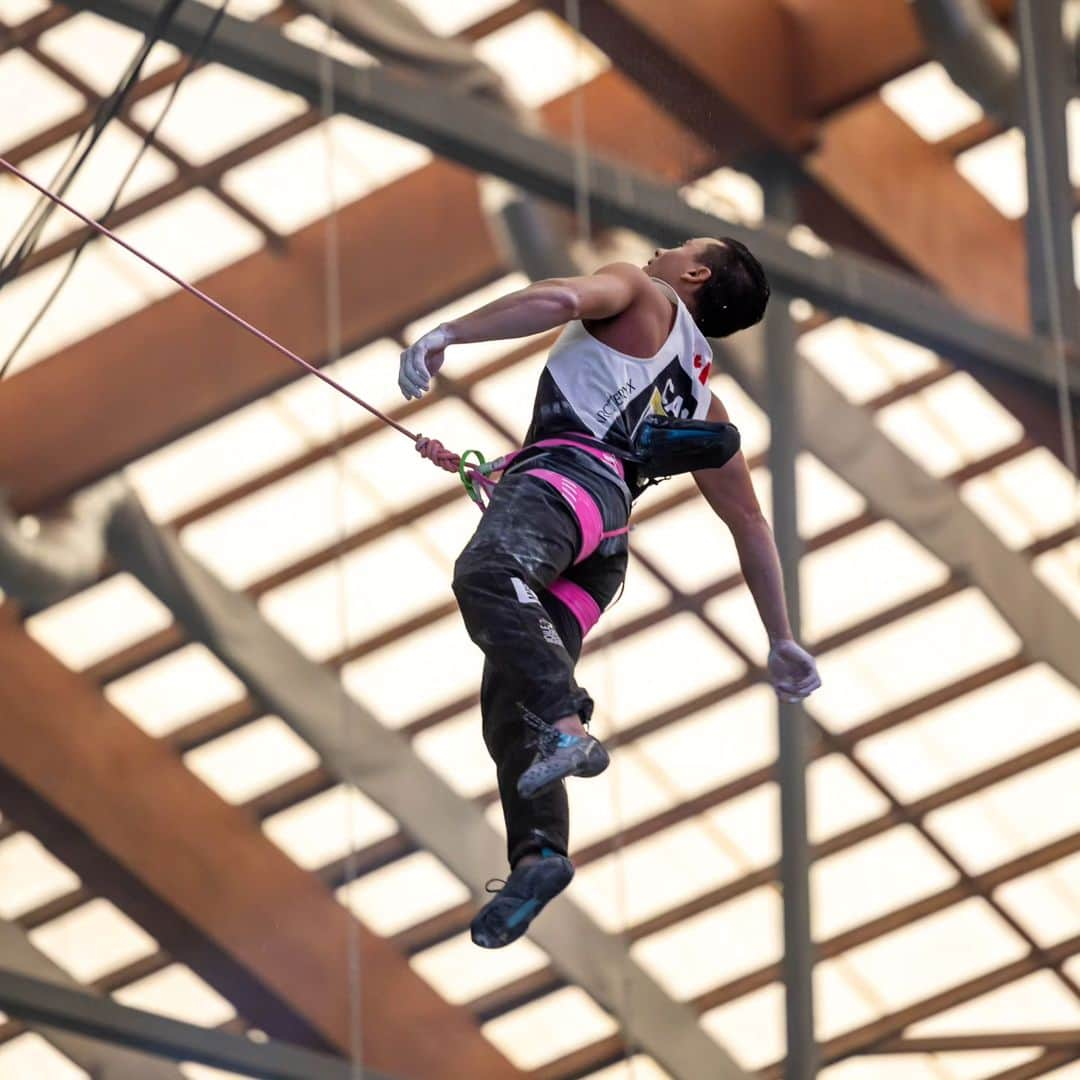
591,389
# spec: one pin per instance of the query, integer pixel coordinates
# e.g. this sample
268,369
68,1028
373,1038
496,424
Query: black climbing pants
527,603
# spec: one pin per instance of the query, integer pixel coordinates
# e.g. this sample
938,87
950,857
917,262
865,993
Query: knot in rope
435,452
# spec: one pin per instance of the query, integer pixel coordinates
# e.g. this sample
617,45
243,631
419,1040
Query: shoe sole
490,931
594,762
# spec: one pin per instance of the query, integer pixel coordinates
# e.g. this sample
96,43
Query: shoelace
501,882
547,737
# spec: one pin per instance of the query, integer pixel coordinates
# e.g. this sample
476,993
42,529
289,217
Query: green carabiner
467,480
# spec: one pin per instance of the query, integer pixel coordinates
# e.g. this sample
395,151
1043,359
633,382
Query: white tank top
589,388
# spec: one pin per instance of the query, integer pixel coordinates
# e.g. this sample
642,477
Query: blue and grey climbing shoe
507,915
558,756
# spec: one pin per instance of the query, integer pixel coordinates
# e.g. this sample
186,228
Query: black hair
736,293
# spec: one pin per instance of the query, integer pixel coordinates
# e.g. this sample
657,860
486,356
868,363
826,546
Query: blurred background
242,783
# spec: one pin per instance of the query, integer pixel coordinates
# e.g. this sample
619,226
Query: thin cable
35,222
210,301
147,141
333,344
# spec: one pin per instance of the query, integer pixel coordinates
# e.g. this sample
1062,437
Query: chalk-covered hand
792,670
421,360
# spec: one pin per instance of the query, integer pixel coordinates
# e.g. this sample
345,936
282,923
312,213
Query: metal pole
783,409
1046,82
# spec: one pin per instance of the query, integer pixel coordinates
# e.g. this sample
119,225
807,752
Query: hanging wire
347,735
584,229
18,250
147,142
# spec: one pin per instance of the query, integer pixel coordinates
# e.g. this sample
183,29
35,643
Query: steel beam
783,407
482,138
75,1011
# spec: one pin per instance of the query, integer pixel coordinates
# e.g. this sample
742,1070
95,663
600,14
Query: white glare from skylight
751,1027
461,973
639,1067
447,19
550,1028
252,759
32,99
178,993
31,876
406,892
99,621
735,196
180,687
29,1055
1059,568
92,940
927,100
15,12
568,60
217,110
997,169
322,829
99,50
1046,901
455,750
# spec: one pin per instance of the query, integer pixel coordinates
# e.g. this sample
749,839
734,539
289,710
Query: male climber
622,401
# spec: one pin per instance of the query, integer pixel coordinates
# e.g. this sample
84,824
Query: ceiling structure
946,833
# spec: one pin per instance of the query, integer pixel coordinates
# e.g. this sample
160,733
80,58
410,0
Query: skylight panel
1026,498
218,110
99,622
32,99
277,525
192,236
739,731
689,545
407,892
715,947
509,395
180,687
16,12
1011,1007
654,875
449,19
641,593
950,424
928,956
624,680
252,759
997,169
732,195
386,682
317,411
455,750
639,1067
194,1071
839,798
746,415
980,1064
29,1055
31,876
625,794
550,1028
461,973
445,533
213,459
93,940
178,993
885,1067
99,50
322,829
373,588
302,180
1060,570
463,359
879,875
936,749
843,583
909,658
842,1000
751,1028
97,294
1046,902
862,361
1002,822
747,827
927,100
569,60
